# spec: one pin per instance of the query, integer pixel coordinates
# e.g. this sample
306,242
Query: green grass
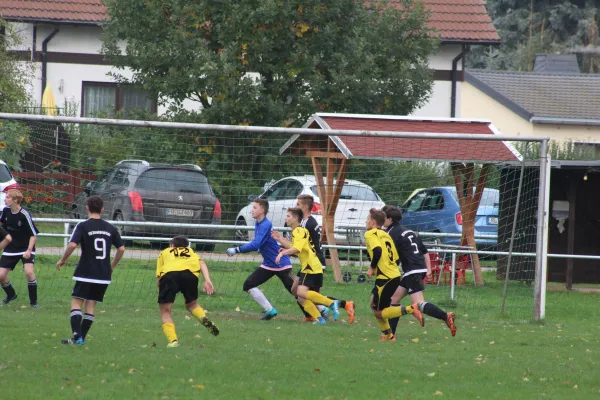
491,357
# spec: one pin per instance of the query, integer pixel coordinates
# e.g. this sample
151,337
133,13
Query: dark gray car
135,190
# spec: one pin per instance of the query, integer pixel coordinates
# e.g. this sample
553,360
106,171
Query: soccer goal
477,198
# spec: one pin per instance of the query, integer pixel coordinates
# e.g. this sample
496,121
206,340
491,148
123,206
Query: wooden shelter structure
331,157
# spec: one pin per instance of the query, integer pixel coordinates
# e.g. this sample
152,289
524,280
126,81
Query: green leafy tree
274,62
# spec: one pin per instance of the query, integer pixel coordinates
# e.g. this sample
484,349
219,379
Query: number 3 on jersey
100,246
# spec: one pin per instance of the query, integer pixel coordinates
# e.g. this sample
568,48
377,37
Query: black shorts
261,275
174,282
312,281
89,291
10,262
413,283
383,291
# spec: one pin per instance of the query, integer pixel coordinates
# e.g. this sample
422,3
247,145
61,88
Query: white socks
260,298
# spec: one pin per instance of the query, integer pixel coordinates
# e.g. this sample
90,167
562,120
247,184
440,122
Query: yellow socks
169,331
318,298
199,313
310,308
396,312
384,324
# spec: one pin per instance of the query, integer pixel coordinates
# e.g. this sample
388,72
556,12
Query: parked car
437,210
136,190
7,181
355,202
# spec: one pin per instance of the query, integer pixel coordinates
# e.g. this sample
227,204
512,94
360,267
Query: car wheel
121,229
241,234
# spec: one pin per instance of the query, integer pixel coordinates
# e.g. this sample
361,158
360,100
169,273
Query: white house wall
86,40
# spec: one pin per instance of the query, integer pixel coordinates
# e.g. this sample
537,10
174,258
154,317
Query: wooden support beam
325,154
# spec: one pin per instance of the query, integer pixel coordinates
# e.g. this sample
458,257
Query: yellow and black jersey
307,253
177,259
387,267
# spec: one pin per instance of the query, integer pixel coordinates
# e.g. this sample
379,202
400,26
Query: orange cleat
387,338
450,322
349,307
308,319
417,314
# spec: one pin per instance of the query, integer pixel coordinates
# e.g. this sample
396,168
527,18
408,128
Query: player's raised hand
276,235
232,251
208,288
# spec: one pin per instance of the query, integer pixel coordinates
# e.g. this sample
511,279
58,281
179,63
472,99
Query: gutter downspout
34,42
465,50
45,59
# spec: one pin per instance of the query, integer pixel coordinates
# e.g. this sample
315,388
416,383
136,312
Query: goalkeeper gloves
233,251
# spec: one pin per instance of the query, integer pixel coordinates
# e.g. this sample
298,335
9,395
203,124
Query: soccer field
125,354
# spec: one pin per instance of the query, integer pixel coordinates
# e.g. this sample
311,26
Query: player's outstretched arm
68,251
118,255
288,252
207,287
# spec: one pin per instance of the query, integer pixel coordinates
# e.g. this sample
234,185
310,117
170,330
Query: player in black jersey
18,223
415,265
94,270
306,202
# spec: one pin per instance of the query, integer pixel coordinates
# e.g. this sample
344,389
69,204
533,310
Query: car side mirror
88,188
252,197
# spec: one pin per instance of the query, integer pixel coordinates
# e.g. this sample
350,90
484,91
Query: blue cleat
269,314
335,309
72,341
320,321
325,313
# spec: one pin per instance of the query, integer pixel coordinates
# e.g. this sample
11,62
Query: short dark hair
180,241
263,203
95,204
377,215
393,213
296,212
307,200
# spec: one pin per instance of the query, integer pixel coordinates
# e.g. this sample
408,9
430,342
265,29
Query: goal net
474,203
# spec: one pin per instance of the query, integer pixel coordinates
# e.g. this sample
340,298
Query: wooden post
573,184
469,203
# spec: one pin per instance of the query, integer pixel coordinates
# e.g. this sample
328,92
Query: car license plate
176,212
493,220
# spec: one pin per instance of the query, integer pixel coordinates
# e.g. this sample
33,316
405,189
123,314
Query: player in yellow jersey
177,270
384,266
310,278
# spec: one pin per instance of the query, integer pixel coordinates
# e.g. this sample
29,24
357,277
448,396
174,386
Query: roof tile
84,11
553,95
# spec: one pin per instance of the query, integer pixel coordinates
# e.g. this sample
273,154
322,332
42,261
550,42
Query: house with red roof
63,38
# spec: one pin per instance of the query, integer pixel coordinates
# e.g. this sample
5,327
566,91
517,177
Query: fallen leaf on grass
371,351
575,387
199,386
431,374
415,340
492,342
131,370
317,370
54,335
188,317
438,393
237,309
525,379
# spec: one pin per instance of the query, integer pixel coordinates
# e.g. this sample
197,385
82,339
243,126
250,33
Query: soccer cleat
269,314
325,313
418,314
174,343
34,305
320,321
308,319
450,322
72,341
349,307
208,324
8,299
387,338
335,309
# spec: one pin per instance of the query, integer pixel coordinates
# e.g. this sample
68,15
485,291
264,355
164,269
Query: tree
15,75
531,27
274,62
